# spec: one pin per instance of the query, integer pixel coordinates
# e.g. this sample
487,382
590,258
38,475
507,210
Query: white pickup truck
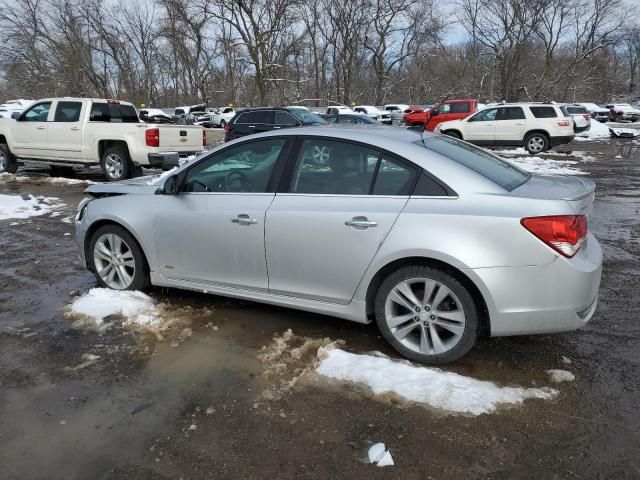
85,131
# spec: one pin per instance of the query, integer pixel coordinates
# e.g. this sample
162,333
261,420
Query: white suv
536,126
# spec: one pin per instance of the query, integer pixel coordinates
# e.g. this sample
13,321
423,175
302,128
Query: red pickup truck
441,112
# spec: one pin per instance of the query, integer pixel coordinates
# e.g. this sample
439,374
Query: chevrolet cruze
434,239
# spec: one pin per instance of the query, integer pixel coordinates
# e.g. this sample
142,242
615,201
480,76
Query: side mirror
16,115
170,186
435,111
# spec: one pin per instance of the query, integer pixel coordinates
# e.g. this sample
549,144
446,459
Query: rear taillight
204,137
564,123
564,233
226,127
152,137
586,116
619,113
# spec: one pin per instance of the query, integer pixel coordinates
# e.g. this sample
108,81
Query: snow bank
10,177
25,206
541,166
428,386
559,376
99,303
597,131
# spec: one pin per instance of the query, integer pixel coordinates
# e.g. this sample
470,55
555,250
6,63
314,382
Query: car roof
80,99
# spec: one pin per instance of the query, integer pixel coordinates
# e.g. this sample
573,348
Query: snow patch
26,206
597,131
559,376
10,177
137,307
427,386
541,166
379,455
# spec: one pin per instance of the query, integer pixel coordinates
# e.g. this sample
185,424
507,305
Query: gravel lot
187,402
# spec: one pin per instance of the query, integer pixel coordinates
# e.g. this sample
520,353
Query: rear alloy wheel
115,164
117,259
427,315
536,143
8,162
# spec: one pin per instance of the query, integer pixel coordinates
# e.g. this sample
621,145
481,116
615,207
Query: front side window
446,108
460,108
285,118
68,112
486,115
241,169
490,166
37,113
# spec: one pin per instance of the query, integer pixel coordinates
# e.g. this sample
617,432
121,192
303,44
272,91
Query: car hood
140,185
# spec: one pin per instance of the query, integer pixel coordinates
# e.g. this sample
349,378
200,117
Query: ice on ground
427,386
26,206
541,166
10,177
137,307
559,376
597,131
379,455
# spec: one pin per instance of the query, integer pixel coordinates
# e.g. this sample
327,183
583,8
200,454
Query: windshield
490,166
307,117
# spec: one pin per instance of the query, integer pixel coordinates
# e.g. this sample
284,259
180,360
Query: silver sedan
435,240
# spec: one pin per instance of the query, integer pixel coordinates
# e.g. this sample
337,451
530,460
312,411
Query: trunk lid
578,192
179,138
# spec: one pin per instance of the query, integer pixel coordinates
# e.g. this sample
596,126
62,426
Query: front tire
117,260
427,315
536,143
116,164
8,163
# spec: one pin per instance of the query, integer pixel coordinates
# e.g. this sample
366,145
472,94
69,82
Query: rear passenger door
65,132
510,125
322,231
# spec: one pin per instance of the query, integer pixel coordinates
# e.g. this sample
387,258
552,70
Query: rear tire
117,260
8,163
427,315
536,143
116,164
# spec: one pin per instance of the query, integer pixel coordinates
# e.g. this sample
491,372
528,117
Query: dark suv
255,120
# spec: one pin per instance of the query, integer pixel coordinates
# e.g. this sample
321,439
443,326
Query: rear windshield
113,112
490,166
576,110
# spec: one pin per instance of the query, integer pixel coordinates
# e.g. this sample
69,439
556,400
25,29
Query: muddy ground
129,413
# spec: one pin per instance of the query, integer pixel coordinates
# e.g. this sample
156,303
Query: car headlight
82,208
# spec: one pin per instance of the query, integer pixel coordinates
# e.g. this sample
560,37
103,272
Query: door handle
244,219
40,127
519,123
75,128
360,223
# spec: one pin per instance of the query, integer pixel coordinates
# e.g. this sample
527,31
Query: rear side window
285,118
393,178
128,114
493,168
68,112
259,116
543,112
510,113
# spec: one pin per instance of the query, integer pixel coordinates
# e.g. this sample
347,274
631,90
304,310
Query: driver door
30,132
481,127
212,231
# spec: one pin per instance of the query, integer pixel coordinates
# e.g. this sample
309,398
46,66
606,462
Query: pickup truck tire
536,143
8,162
116,164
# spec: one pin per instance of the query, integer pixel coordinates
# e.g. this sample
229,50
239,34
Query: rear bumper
166,160
557,297
555,141
583,128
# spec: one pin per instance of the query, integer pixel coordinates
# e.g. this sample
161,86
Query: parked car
535,126
374,112
194,110
339,110
580,116
223,116
84,131
623,112
597,112
441,112
435,240
350,119
9,108
154,115
256,120
396,110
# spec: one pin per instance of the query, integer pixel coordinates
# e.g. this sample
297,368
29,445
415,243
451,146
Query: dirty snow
559,376
25,206
379,455
428,386
541,166
137,307
10,177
